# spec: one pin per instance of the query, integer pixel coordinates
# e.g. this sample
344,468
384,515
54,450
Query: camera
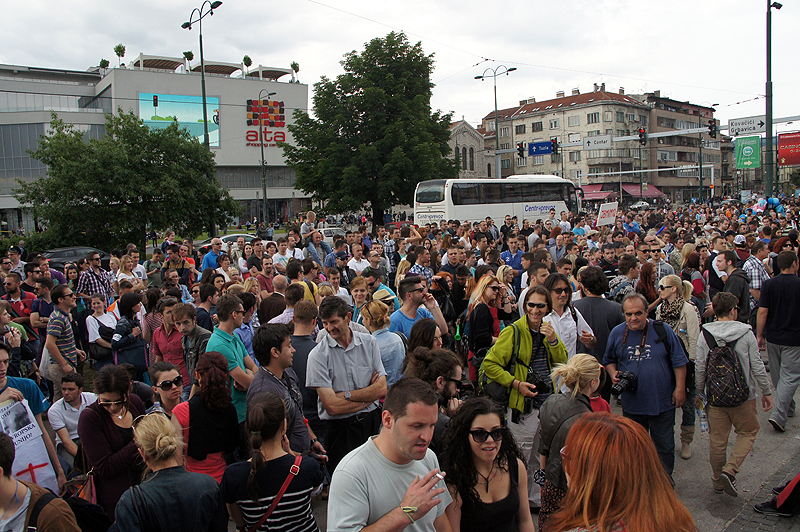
542,385
627,383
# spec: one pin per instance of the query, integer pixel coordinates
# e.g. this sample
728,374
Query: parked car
640,205
226,241
332,234
58,257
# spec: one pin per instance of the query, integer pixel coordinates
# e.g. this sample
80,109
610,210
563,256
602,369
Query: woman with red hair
616,481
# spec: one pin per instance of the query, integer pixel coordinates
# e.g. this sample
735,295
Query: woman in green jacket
540,350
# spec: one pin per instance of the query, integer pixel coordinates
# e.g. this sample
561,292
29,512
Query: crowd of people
453,376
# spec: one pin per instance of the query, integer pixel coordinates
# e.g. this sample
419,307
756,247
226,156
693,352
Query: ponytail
578,372
266,415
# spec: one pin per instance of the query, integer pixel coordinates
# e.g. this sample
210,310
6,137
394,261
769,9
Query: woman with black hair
211,416
106,433
486,474
127,342
249,488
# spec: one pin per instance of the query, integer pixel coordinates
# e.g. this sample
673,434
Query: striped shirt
59,326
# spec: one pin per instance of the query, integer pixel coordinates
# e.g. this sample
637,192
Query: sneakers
728,484
777,426
771,508
778,489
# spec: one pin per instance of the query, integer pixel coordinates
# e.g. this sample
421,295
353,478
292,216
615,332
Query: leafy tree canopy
105,192
373,137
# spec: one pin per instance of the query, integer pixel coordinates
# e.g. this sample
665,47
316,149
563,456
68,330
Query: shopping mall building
159,90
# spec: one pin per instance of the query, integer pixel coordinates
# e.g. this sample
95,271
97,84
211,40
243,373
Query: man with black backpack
727,369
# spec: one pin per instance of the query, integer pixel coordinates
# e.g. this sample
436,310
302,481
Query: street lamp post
263,160
770,162
188,26
494,73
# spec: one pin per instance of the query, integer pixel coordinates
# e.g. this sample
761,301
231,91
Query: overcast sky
706,52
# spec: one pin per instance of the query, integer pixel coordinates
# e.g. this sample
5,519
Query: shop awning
650,192
595,192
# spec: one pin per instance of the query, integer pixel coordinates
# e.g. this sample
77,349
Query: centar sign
265,114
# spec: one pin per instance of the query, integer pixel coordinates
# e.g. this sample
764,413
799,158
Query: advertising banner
748,152
160,110
789,149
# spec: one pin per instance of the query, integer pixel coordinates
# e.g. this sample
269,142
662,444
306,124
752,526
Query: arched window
464,158
489,170
471,158
455,152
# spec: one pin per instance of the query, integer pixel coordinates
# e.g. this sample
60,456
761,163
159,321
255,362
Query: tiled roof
565,102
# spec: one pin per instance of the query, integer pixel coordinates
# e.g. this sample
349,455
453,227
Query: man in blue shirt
513,258
210,260
635,346
417,304
374,282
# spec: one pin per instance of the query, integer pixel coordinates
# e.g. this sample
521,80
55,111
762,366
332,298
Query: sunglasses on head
481,435
167,385
531,304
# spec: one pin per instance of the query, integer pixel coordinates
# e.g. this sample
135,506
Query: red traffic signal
642,136
155,100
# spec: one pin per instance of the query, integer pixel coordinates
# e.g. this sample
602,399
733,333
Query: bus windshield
430,191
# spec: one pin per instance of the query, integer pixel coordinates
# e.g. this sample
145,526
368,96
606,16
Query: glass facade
250,177
14,102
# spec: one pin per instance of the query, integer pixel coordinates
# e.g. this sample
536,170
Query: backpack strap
41,502
710,340
575,318
661,330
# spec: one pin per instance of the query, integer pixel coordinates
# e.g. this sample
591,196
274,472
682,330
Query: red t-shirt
214,464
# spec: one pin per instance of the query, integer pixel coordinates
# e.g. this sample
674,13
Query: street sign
539,148
607,214
747,126
748,152
599,142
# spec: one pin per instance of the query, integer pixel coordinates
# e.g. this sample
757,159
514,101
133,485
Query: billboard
160,110
789,149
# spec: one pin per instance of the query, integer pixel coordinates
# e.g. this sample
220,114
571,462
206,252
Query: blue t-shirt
400,322
653,368
515,261
31,392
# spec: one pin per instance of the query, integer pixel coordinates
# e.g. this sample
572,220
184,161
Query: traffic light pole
700,163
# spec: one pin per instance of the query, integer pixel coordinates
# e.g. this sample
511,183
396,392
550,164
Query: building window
573,121
609,131
595,170
575,175
621,133
522,161
608,116
471,158
643,119
620,116
504,131
538,160
520,129
455,152
554,123
488,170
574,156
592,118
464,158
505,163
593,133
505,145
631,117
536,126
555,158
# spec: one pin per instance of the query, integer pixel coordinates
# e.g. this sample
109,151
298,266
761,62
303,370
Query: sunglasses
458,384
167,385
531,304
558,291
664,286
494,287
119,402
480,435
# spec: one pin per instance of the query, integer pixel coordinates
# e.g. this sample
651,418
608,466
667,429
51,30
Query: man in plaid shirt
95,280
754,267
390,246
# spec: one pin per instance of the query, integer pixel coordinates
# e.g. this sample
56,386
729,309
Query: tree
295,66
247,62
373,137
103,64
105,192
189,56
120,51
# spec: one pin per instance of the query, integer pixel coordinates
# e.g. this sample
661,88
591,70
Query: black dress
498,516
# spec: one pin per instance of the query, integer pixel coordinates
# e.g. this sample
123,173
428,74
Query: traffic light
712,128
155,100
642,136
520,150
554,142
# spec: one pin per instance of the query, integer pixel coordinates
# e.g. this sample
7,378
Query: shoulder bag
293,471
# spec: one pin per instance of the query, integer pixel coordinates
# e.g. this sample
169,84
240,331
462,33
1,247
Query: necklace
12,501
488,478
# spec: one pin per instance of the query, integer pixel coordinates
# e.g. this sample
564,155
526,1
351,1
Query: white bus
523,196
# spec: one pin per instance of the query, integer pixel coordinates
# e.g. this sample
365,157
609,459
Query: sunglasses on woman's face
481,435
111,403
494,287
531,304
167,385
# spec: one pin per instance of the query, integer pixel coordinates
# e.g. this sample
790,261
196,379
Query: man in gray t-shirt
393,481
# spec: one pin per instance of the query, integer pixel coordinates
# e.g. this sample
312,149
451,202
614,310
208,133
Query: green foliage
374,136
794,177
103,63
104,193
120,51
295,66
247,61
189,55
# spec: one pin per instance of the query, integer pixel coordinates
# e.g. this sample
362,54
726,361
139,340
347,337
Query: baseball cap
15,249
341,255
740,240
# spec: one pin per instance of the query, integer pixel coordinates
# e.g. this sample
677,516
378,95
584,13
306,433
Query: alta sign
264,117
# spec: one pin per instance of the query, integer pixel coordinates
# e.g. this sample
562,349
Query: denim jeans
662,432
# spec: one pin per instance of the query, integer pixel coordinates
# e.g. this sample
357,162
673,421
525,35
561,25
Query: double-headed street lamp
770,162
187,26
263,161
494,73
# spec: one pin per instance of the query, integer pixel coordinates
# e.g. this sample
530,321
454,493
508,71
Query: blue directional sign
539,148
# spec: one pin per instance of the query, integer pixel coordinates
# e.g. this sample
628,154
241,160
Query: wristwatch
346,396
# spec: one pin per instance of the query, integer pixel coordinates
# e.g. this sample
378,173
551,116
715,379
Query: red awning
592,188
650,192
594,196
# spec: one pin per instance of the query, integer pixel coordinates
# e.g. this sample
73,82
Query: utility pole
700,192
494,73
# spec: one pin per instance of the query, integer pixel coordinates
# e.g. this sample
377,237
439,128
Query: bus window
493,192
430,191
572,203
466,194
551,192
512,192
530,192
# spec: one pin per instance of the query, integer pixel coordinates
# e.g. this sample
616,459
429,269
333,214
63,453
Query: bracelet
408,510
315,440
553,343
